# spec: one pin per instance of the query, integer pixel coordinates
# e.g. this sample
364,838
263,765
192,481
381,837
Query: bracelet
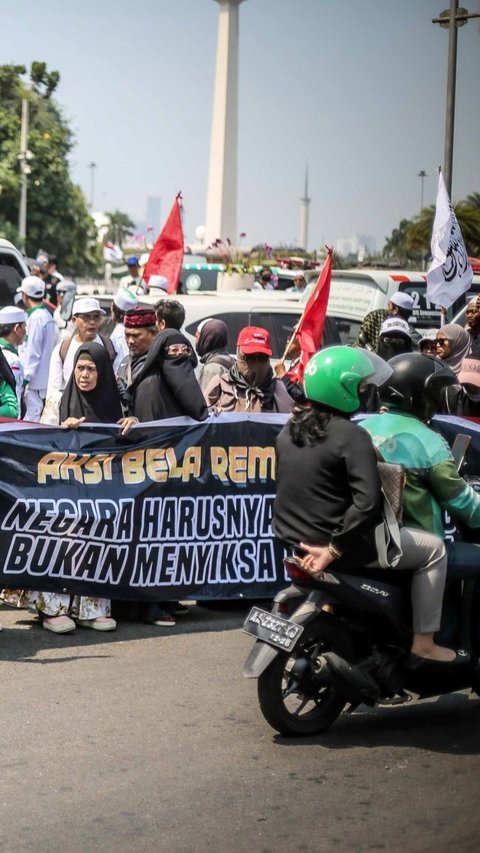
334,552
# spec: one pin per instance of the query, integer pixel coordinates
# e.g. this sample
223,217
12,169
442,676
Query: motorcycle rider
328,491
401,434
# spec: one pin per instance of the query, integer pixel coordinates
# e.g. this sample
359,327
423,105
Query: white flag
450,273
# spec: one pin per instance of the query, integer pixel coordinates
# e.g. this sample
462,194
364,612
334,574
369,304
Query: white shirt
59,372
129,281
36,351
119,344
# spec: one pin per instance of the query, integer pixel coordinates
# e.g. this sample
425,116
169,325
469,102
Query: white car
279,313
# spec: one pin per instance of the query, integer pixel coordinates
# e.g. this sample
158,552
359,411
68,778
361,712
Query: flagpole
295,330
316,304
289,343
143,285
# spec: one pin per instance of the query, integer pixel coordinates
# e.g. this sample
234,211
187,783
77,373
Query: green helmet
332,377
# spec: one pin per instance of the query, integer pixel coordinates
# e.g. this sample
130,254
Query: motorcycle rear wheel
295,714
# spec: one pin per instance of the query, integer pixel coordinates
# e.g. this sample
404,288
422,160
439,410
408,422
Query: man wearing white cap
87,316
299,283
41,337
124,300
400,305
12,333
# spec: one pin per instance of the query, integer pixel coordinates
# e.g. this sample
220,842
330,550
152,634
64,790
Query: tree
119,228
410,242
57,213
397,247
473,200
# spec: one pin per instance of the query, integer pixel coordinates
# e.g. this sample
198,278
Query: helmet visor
381,370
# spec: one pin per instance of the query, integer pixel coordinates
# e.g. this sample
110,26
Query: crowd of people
58,367
389,333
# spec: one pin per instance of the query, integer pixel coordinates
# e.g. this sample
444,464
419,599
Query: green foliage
42,82
57,212
120,226
409,244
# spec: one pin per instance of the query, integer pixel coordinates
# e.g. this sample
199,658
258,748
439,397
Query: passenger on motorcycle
328,490
411,396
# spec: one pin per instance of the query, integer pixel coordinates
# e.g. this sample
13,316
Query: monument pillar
221,215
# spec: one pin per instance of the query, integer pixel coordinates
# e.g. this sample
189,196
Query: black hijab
213,337
100,406
166,386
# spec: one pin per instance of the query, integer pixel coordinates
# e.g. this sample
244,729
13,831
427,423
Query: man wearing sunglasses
250,385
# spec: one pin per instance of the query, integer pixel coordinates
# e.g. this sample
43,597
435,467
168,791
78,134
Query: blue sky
356,88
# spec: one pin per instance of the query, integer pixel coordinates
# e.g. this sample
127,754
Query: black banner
176,509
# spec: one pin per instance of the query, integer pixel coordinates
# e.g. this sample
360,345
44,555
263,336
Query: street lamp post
92,166
24,156
451,18
422,175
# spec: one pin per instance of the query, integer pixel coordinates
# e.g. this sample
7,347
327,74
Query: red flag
309,330
166,257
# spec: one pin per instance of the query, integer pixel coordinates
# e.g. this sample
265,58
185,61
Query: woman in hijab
211,345
166,386
394,338
91,395
452,345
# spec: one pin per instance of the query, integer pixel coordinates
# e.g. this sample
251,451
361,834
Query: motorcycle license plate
275,630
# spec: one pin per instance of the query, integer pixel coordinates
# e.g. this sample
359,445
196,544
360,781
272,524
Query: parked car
354,293
12,269
276,312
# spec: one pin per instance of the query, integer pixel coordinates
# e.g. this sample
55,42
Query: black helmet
416,384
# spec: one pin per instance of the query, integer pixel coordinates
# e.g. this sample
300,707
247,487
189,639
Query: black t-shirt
329,492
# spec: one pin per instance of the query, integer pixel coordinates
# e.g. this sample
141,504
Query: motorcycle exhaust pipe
352,682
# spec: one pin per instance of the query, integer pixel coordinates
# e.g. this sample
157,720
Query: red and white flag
166,257
309,330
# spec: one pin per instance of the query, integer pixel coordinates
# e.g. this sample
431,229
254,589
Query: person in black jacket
328,499
161,383
166,386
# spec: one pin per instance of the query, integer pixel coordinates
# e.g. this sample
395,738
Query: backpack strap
64,348
109,347
105,341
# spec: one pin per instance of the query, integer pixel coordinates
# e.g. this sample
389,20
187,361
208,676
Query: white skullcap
11,315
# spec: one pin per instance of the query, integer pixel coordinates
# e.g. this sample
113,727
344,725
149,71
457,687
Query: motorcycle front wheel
302,709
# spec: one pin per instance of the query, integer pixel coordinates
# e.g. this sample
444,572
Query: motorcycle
342,639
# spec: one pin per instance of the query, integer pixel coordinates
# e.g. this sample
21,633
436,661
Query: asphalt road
149,740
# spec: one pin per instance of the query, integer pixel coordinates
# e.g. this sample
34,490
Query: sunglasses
251,358
440,342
